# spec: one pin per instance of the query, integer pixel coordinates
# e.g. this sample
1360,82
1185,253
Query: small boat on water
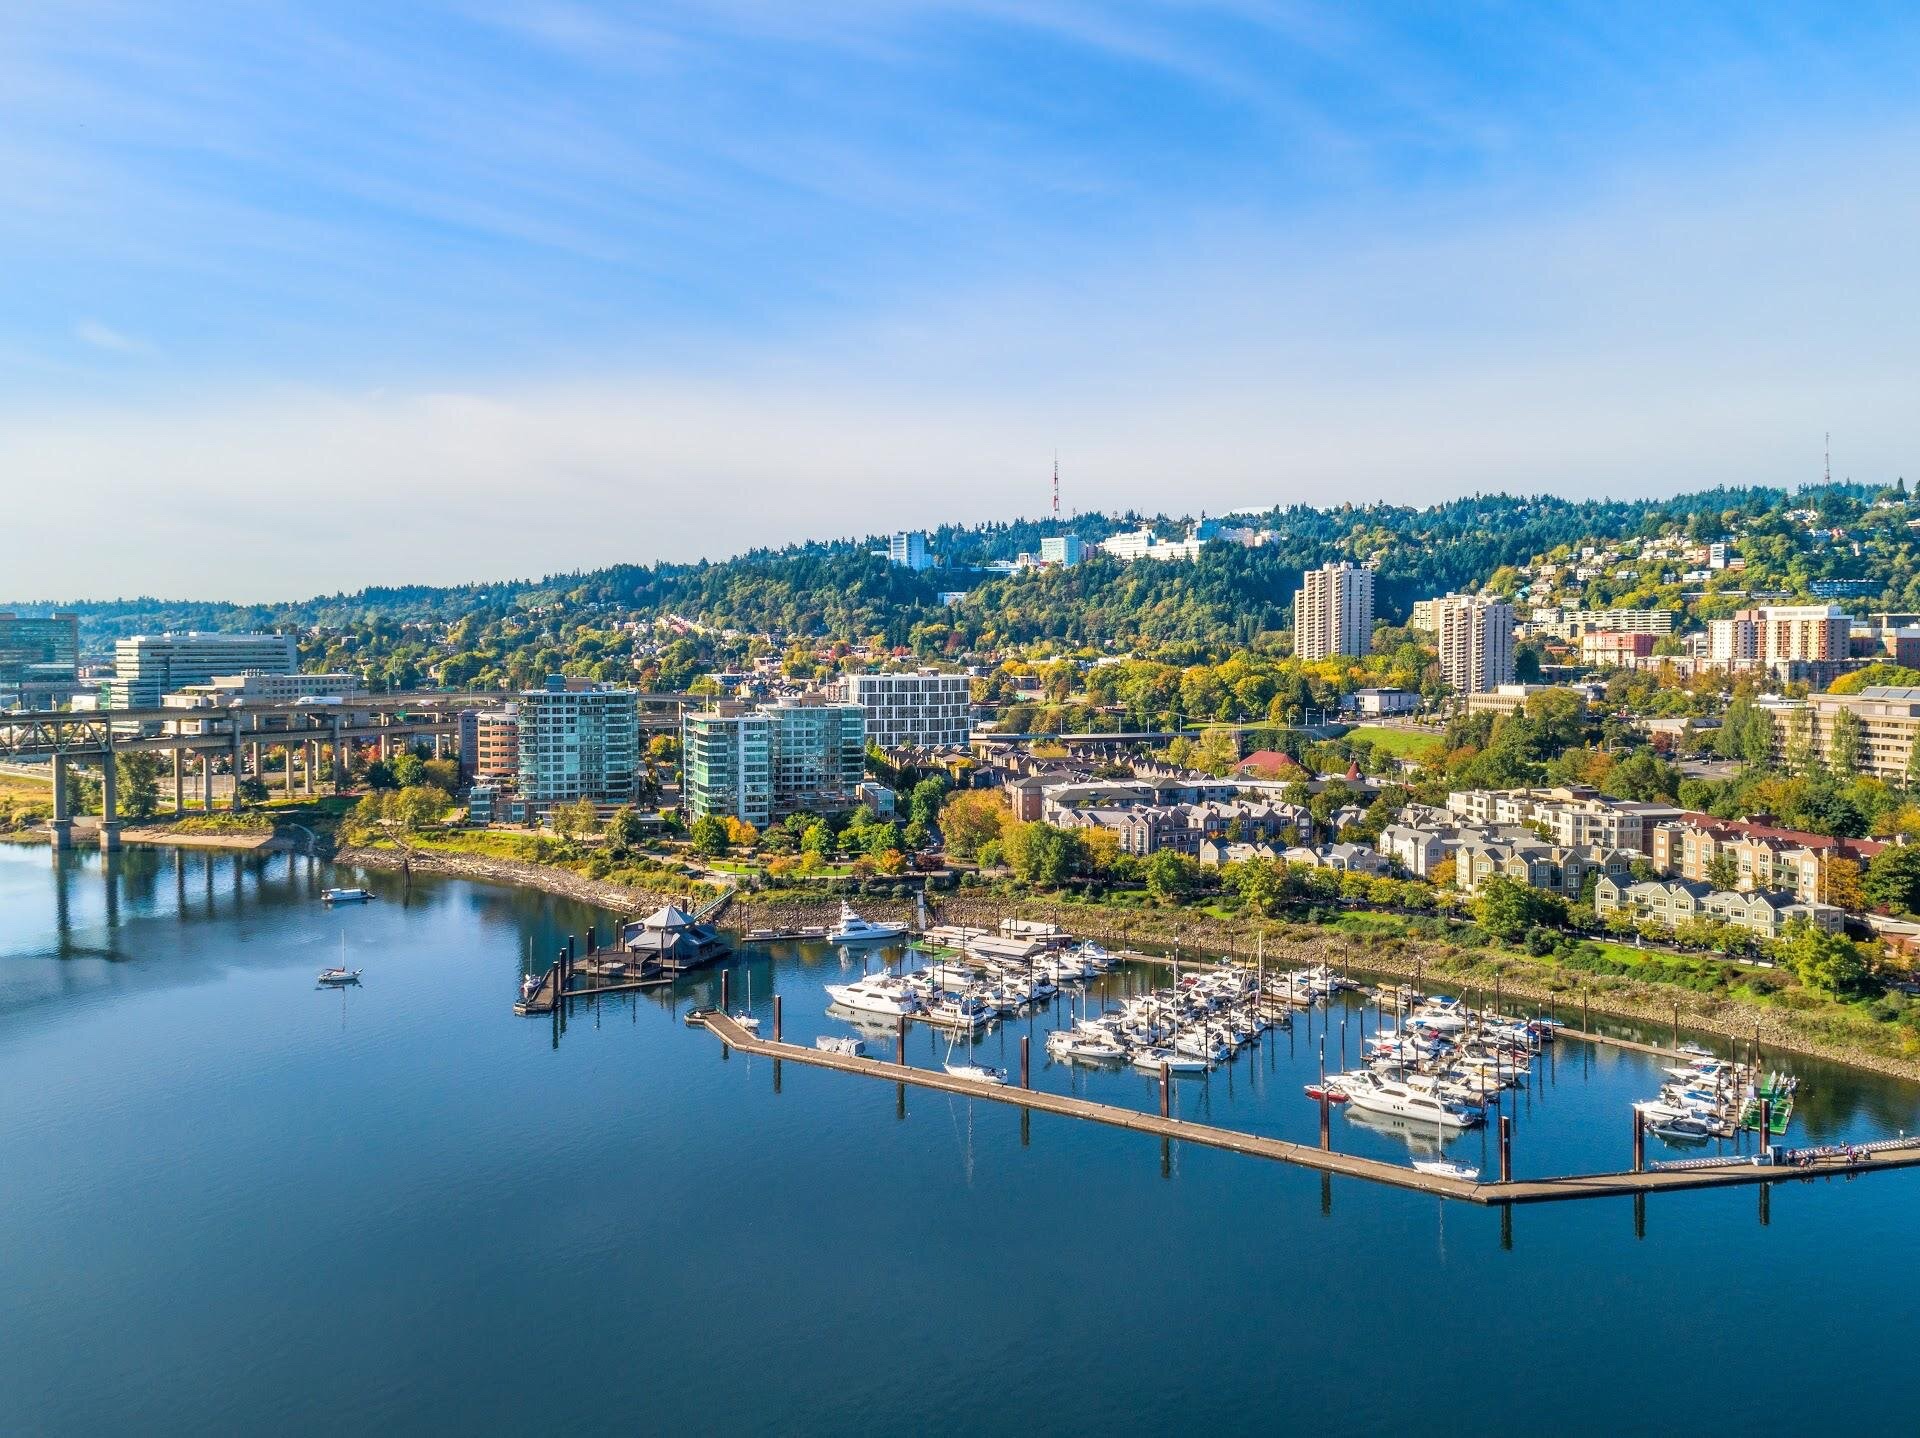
345,896
337,977
852,929
845,1045
979,1073
1330,1090
1446,1168
1153,1060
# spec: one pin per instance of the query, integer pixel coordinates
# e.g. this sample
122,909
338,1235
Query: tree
137,786
972,818
572,820
1845,744
1171,876
709,835
1831,964
816,839
1507,909
1893,879
1841,884
1040,854
1722,872
741,834
923,803
1217,752
407,770
419,807
624,828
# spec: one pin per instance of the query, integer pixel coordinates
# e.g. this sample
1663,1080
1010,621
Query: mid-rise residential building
150,665
1614,648
819,754
1064,549
726,763
496,745
1733,643
1818,632
925,709
1475,641
1761,856
270,688
1671,903
1566,815
1872,732
577,744
800,755
1421,616
908,550
1333,612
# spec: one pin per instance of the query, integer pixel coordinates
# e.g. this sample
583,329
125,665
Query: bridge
318,735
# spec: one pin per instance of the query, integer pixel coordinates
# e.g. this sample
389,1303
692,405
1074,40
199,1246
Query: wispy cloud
104,337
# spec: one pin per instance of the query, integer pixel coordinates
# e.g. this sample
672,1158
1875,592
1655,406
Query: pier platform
1823,1163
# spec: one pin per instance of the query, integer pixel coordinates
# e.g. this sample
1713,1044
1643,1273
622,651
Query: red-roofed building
1765,856
1268,764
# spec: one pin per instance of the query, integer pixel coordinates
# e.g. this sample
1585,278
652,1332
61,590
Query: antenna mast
1829,476
1056,486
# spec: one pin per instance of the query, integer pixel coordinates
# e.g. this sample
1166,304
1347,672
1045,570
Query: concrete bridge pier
339,761
179,780
206,780
239,772
286,753
60,826
311,757
109,803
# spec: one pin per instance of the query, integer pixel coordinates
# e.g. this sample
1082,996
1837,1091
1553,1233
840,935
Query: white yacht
1153,1059
345,896
1389,1096
1446,1168
843,1044
1084,1047
875,994
852,929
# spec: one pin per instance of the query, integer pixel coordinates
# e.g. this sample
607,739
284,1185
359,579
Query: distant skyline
309,297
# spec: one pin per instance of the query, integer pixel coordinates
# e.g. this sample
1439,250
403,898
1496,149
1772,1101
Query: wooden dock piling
776,1018
1506,1149
1025,1080
1639,1143
1166,1091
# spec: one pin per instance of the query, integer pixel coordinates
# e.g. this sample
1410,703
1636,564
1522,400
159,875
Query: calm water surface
230,1202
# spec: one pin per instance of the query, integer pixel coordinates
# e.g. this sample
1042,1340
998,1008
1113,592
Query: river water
233,1202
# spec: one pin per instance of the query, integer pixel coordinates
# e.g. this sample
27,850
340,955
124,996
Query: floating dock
1789,1165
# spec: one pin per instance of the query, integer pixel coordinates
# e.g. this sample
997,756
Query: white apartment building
926,709
1064,549
1333,612
1476,642
908,550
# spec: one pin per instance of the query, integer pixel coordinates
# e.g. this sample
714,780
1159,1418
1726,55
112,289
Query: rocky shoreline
1206,937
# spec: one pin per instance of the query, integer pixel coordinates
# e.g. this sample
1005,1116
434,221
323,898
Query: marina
408,1161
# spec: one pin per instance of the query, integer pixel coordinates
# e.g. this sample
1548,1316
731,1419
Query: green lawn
1403,743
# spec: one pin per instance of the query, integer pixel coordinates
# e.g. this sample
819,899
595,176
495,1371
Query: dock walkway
1901,1154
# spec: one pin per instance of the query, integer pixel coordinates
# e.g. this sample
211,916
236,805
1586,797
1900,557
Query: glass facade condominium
800,755
726,763
578,744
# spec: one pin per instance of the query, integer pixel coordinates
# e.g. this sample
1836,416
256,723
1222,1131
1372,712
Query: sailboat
745,1017
979,1073
341,974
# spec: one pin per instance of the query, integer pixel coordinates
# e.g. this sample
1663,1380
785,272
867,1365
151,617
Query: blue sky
495,288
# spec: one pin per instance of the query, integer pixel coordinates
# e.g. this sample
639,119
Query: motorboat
1676,1125
337,977
1328,1088
1156,1059
852,929
875,994
845,1045
1084,1047
1390,1096
345,896
959,1011
746,1021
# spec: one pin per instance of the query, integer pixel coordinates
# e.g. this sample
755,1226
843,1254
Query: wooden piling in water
1639,1143
776,1018
1506,1149
1166,1091
1326,1119
900,1041
726,990
1025,1080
